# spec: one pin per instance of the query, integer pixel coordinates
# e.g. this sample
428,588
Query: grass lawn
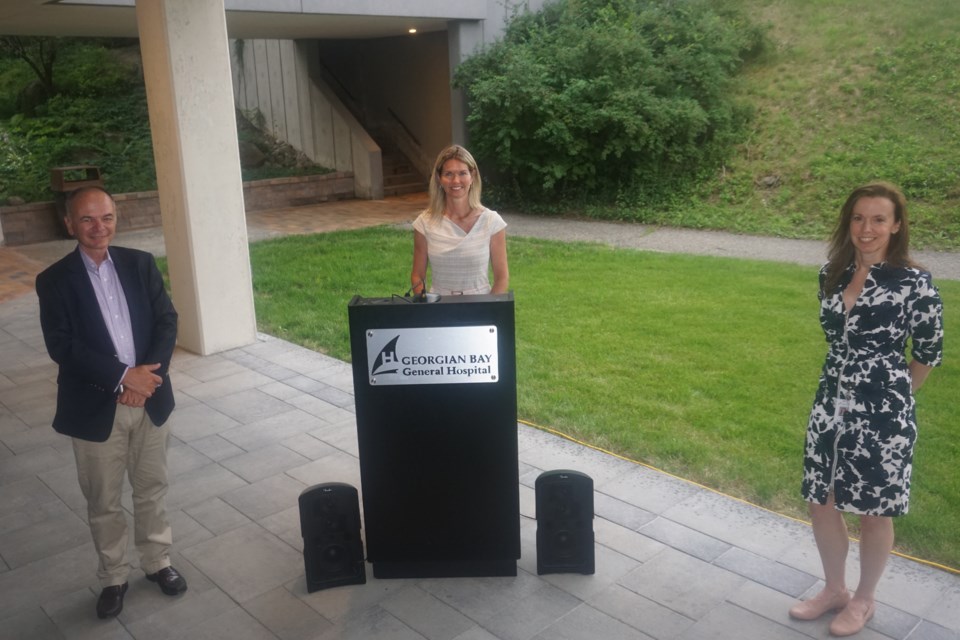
703,367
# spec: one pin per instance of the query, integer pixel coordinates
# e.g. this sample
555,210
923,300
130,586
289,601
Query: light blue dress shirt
113,307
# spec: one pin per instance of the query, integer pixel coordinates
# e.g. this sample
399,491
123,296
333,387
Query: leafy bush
609,98
98,117
13,79
98,67
113,135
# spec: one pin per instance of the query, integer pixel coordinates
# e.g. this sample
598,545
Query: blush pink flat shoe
853,618
819,604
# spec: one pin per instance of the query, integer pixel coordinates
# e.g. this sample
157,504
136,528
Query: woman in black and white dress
862,428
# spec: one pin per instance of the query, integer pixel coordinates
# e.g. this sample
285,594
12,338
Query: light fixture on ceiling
412,30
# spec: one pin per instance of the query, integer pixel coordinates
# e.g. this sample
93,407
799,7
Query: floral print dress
862,427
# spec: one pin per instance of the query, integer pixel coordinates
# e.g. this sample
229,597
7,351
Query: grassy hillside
847,92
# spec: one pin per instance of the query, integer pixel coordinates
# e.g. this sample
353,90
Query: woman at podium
456,235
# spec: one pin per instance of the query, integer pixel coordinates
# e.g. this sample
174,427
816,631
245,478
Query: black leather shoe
110,602
170,581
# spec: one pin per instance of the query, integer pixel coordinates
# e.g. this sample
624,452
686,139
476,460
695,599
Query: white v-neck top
459,261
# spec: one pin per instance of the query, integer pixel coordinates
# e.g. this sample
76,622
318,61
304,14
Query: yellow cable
702,486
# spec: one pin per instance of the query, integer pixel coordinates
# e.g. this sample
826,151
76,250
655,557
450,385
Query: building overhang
286,19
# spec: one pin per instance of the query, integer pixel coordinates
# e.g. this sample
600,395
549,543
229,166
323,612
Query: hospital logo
387,361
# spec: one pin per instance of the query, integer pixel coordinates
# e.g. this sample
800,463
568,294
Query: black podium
436,401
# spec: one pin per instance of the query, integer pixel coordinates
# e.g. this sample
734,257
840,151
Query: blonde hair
438,199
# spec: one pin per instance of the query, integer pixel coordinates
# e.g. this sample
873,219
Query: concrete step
396,163
403,189
409,177
400,176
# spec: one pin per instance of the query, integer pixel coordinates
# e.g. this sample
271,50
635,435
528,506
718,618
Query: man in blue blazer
110,325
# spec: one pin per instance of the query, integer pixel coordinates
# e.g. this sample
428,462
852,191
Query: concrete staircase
399,174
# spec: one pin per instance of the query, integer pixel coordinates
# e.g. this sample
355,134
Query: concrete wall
273,83
400,86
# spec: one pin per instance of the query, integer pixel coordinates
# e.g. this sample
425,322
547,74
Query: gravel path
943,265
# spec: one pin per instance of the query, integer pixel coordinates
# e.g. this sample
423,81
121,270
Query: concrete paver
256,425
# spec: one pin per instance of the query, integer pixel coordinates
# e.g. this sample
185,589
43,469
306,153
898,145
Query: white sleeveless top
459,261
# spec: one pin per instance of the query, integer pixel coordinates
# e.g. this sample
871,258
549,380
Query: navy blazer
77,339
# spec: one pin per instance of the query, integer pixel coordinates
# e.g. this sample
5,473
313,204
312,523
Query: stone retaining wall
40,221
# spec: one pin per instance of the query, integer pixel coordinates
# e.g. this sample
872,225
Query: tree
593,98
38,52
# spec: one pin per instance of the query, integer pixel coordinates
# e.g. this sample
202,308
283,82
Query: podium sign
435,391
433,355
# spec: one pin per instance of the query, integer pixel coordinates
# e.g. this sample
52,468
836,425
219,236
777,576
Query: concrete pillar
186,67
463,39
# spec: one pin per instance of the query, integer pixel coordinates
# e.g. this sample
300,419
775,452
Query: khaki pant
138,447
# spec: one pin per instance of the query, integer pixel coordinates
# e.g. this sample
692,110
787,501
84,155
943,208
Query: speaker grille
564,522
330,525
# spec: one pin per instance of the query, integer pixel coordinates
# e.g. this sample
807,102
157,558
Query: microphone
417,297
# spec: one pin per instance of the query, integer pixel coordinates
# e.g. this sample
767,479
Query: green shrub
112,134
621,99
98,67
14,78
98,117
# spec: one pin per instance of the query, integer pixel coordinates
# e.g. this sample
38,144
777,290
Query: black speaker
564,522
330,525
